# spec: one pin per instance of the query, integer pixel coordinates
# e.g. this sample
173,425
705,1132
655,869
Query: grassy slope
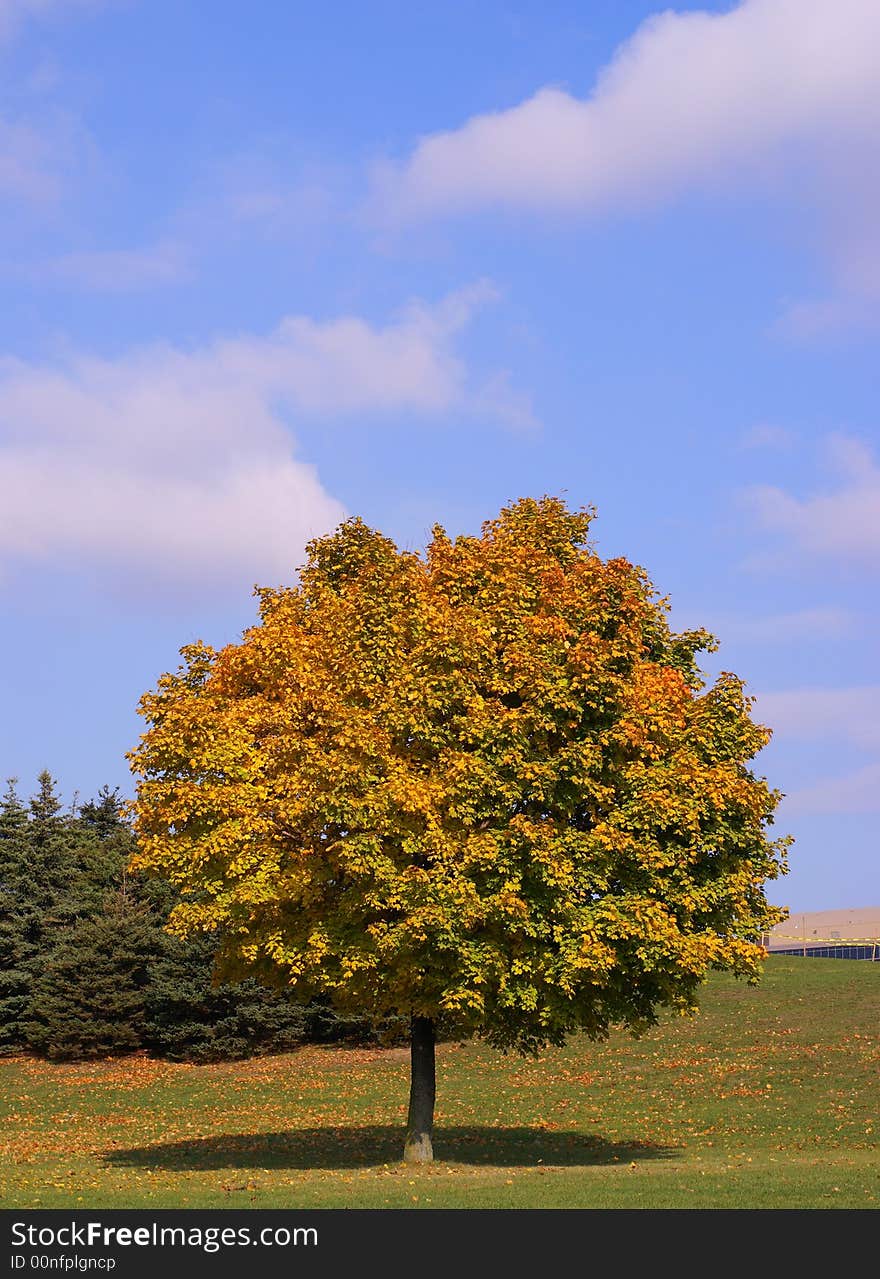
768,1099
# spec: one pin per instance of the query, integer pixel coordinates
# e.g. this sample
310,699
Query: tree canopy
486,786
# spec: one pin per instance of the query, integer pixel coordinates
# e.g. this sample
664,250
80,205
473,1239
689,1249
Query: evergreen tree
53,863
38,874
89,999
45,807
190,1019
101,847
87,969
49,879
103,816
13,817
14,975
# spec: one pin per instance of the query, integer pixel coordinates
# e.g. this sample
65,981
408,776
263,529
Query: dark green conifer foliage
56,874
40,874
13,816
190,1019
101,848
102,817
53,862
14,975
89,999
87,969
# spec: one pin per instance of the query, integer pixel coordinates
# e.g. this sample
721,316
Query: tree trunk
422,1090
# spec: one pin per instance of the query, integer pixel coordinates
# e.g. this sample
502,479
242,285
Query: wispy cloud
817,319
783,628
850,715
857,792
767,435
180,466
841,524
270,186
14,12
118,270
27,171
40,153
44,158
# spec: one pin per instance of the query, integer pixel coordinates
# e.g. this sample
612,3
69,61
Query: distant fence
824,947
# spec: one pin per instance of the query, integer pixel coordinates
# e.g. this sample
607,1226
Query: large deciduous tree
486,787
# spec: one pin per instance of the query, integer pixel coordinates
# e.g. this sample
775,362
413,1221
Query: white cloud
14,12
41,159
150,469
818,319
180,465
686,98
842,524
857,792
38,156
272,187
767,435
26,169
836,717
850,715
779,94
783,628
118,270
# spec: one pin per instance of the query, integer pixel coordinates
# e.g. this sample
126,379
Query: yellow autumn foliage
487,784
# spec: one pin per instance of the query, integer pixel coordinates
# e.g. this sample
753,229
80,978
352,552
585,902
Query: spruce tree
51,878
38,873
101,847
191,1019
87,969
14,974
53,863
102,816
89,999
13,817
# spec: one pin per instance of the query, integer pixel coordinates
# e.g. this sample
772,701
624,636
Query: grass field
767,1099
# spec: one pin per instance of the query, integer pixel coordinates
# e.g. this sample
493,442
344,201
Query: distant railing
823,947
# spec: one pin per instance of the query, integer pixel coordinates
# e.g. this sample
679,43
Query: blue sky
267,266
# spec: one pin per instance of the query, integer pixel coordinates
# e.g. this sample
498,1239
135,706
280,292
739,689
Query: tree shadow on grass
313,1148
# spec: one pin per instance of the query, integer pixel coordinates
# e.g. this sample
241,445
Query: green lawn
767,1099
